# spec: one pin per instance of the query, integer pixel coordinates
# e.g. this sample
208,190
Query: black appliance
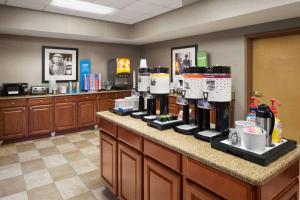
11,89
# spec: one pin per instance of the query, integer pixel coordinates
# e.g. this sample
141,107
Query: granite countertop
57,95
201,151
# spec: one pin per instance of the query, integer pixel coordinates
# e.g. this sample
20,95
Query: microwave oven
11,89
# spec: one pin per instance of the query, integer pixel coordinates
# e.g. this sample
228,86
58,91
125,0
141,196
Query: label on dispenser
193,85
160,83
219,88
143,82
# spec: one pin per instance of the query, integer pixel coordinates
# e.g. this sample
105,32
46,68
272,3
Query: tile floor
61,167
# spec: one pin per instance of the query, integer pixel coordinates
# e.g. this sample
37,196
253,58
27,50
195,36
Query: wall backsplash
21,57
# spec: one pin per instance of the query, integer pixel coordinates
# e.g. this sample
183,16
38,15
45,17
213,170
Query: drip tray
121,113
139,114
261,158
164,125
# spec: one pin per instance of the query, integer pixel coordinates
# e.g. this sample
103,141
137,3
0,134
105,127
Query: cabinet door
108,161
194,192
65,116
160,183
40,119
129,173
13,122
87,113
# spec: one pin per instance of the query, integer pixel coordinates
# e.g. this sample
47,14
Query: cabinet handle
12,103
86,97
41,101
66,99
30,108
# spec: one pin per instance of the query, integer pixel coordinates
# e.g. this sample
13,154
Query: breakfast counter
201,151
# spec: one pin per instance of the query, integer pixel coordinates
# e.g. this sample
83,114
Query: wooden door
194,192
129,173
13,123
65,116
40,119
160,183
108,161
275,73
87,113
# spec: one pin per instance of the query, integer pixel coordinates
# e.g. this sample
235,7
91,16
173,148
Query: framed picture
59,63
182,57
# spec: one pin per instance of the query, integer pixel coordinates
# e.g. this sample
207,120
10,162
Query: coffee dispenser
265,119
217,96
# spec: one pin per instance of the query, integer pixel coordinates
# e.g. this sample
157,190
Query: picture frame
181,57
60,63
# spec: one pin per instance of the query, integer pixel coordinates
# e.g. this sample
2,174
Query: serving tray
121,113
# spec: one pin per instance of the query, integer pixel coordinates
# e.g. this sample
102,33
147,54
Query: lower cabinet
108,161
87,113
13,123
41,119
129,173
65,116
194,192
160,183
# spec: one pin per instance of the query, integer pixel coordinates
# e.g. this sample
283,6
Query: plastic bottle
253,107
277,130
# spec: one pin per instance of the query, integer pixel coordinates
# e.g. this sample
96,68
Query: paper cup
254,142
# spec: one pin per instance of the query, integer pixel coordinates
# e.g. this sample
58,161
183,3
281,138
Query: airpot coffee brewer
159,88
143,89
217,96
192,91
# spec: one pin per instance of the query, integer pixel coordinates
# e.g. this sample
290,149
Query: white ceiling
128,11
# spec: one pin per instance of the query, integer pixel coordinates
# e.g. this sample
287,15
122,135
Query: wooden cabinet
87,113
129,173
108,161
105,101
160,183
13,122
194,192
65,116
41,119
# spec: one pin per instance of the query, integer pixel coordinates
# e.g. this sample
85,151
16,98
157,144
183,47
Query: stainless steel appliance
10,89
265,119
38,90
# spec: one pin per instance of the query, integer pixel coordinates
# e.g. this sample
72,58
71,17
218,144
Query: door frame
248,56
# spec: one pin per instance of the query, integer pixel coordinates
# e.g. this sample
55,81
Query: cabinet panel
39,101
130,138
40,119
129,173
194,192
13,103
108,161
108,127
65,99
65,116
291,193
160,183
13,122
87,113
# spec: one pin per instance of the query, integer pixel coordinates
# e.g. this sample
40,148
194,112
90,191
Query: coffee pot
265,119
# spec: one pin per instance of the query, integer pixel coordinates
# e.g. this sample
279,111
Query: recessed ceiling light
83,6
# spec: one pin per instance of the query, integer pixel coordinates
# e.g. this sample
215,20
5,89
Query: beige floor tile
102,194
83,144
85,196
95,161
59,141
33,165
24,142
63,148
92,179
17,196
26,147
12,186
94,141
54,160
9,149
75,138
61,172
71,187
89,135
10,159
43,144
48,151
37,179
83,166
9,171
90,151
47,192
29,155
74,156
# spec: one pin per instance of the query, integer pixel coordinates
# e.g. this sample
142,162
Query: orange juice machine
119,73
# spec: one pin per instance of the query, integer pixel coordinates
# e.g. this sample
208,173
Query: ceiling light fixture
83,6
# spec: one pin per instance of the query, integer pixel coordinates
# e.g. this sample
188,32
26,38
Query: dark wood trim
248,56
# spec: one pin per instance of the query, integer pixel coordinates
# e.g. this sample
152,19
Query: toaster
11,89
38,90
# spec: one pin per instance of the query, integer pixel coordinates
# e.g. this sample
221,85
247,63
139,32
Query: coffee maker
216,97
143,89
192,91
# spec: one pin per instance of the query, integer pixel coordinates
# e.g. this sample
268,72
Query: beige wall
21,57
224,48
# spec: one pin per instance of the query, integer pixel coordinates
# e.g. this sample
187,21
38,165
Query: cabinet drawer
130,138
122,94
106,96
172,99
163,155
108,127
13,103
216,181
39,101
87,97
65,99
